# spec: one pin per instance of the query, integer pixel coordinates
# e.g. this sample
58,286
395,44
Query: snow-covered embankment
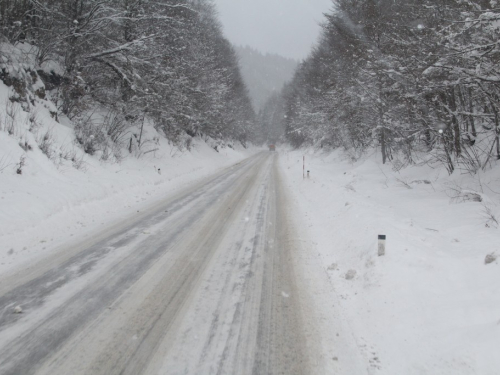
432,304
51,191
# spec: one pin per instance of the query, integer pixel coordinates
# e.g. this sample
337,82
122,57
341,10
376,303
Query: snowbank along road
202,283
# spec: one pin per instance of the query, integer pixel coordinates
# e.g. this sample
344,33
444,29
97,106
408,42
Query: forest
164,61
417,80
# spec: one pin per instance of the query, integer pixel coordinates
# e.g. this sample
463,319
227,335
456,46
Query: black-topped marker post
381,245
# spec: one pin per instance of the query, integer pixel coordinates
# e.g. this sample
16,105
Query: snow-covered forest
417,79
264,74
163,62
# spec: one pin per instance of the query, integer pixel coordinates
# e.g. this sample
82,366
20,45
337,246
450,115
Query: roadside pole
381,245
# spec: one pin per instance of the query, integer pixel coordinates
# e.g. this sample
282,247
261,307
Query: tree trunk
471,110
457,144
383,146
383,140
498,146
497,134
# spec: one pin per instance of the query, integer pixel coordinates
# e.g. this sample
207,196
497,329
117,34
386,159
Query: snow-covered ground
430,305
46,206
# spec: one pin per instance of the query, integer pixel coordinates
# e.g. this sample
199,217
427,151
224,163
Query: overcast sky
286,27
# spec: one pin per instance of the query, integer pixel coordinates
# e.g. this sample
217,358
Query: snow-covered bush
21,164
25,145
460,195
46,144
117,127
102,137
10,118
90,136
490,215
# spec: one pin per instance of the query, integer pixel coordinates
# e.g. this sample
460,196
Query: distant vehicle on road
272,148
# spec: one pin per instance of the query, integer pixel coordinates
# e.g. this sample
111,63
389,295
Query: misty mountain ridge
264,74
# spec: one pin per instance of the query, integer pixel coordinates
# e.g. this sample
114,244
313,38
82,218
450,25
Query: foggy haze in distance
288,28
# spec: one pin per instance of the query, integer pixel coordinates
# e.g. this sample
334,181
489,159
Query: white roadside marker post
381,245
308,174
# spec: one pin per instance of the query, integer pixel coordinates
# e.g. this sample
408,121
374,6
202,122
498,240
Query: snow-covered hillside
431,305
51,191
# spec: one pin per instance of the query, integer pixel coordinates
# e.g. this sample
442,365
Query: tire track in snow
202,270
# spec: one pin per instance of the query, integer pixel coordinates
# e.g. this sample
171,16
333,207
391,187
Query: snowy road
202,283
